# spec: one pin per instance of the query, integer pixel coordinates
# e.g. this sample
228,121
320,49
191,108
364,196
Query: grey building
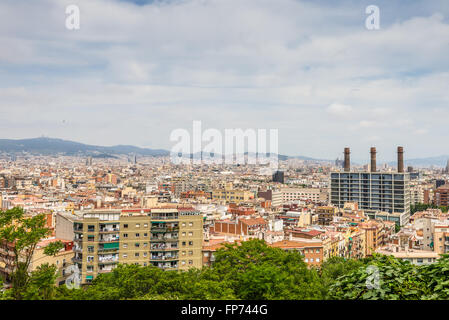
373,191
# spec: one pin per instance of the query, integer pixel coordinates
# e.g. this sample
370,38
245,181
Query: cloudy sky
136,70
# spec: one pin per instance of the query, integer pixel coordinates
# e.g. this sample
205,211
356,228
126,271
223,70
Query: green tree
336,267
42,283
24,233
258,271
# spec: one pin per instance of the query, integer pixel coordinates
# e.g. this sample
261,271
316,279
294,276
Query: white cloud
256,63
338,109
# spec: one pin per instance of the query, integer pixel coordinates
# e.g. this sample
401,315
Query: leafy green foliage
423,207
53,248
399,280
24,233
42,283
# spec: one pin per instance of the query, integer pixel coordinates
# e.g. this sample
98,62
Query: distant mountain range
51,146
439,161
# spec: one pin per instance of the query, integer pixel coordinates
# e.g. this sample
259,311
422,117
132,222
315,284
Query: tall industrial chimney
400,159
347,160
373,159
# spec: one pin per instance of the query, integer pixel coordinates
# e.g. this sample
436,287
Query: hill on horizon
49,146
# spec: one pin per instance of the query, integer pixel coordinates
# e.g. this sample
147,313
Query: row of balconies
165,257
163,246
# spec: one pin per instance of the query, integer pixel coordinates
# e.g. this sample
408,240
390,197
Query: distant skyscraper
278,176
447,167
439,183
135,159
89,161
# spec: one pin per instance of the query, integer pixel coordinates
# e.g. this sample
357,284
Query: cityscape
187,150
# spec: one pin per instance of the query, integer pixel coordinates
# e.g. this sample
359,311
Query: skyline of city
229,156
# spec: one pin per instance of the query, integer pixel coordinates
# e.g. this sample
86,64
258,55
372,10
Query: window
90,268
136,254
311,259
144,254
190,243
190,224
183,262
306,260
91,228
91,238
145,244
125,226
125,235
317,250
183,234
145,225
137,235
145,234
183,243
125,245
317,259
190,234
190,253
90,259
137,245
90,248
190,261
206,254
125,255
183,224
183,253
137,225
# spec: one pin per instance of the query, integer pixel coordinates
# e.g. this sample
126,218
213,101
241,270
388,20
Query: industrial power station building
383,195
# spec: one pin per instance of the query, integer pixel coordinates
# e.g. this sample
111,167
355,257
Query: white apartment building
314,194
416,194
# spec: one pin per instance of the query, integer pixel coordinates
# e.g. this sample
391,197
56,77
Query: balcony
109,239
165,229
164,258
163,247
108,230
107,259
166,266
163,239
155,218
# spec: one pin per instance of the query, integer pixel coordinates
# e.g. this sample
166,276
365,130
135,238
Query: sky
137,70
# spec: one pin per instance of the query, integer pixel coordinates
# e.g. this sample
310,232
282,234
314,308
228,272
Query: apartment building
326,214
313,194
373,191
97,235
275,196
231,195
417,257
441,196
168,238
311,250
416,194
62,260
